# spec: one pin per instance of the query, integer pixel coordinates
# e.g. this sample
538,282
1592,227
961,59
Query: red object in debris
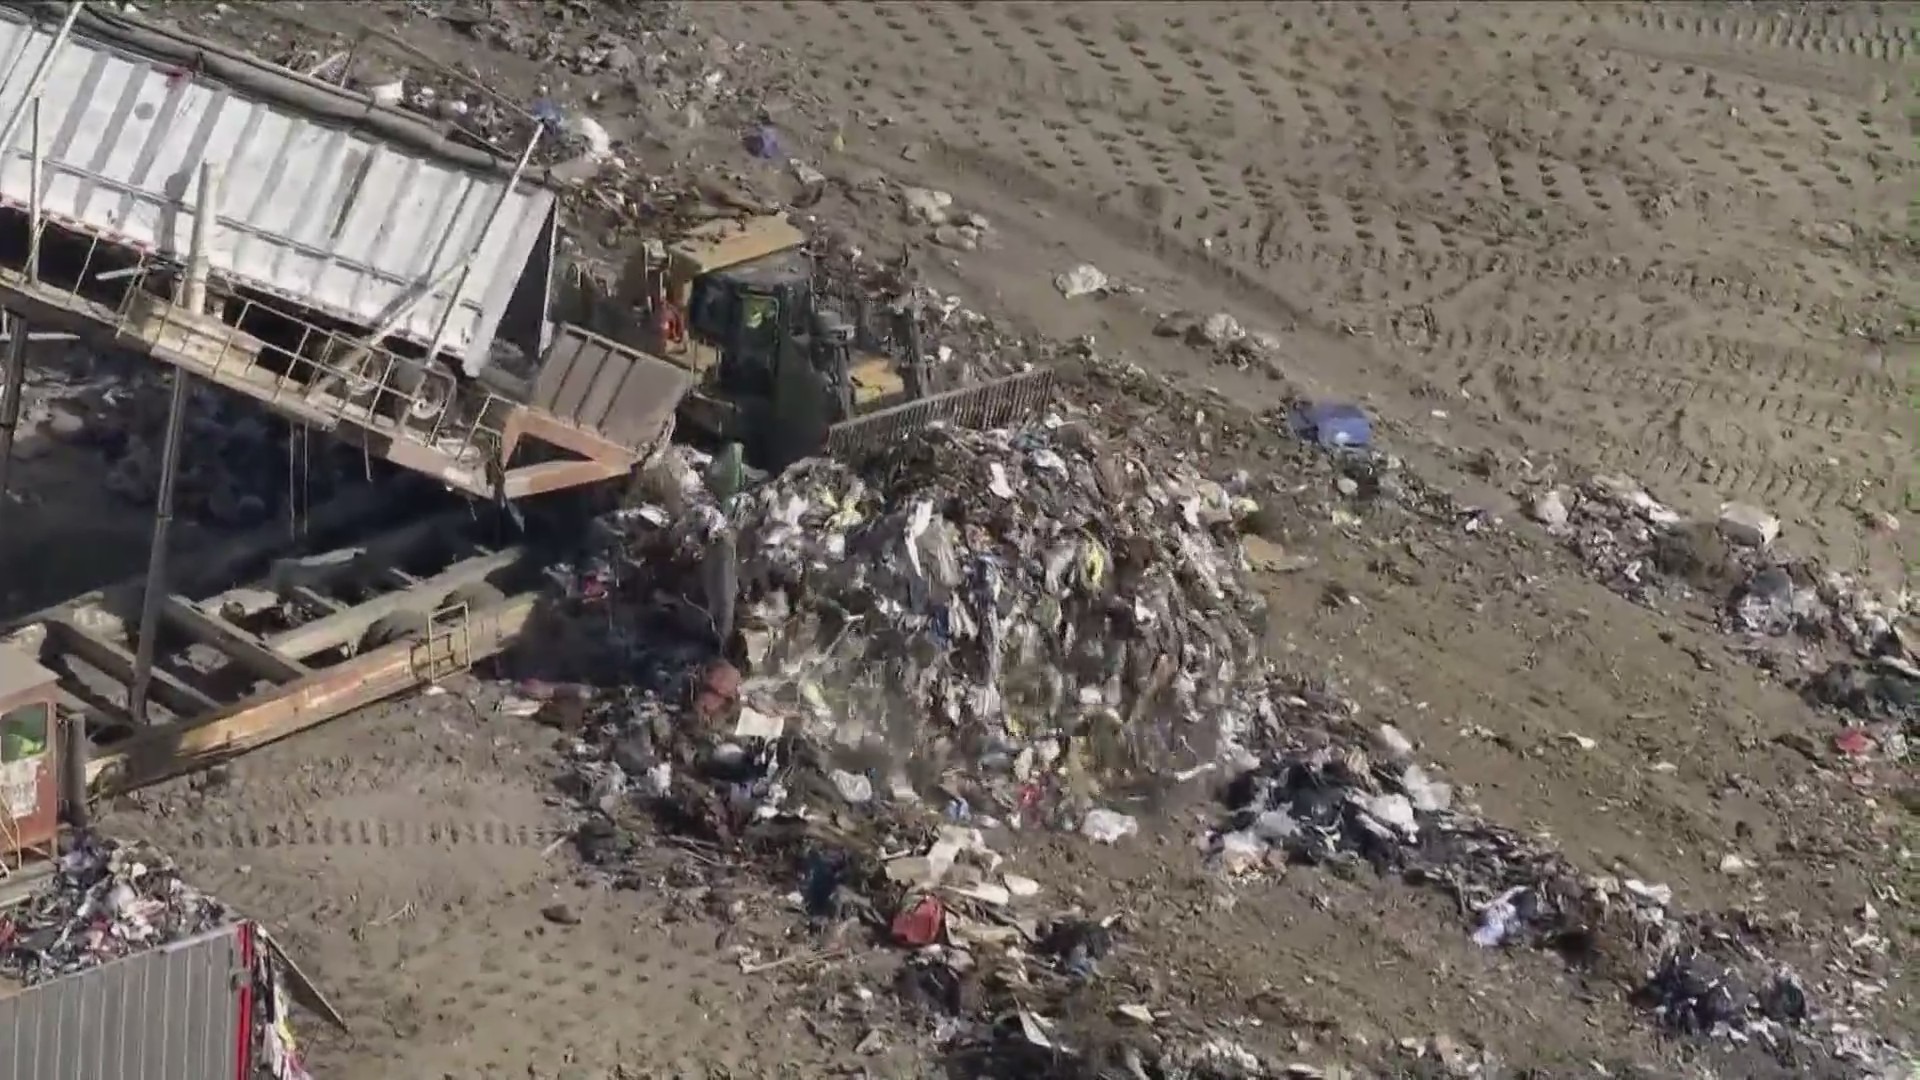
921,924
721,678
668,324
1854,743
717,692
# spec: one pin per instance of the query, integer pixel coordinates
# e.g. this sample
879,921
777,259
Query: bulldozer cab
733,303
701,277
743,313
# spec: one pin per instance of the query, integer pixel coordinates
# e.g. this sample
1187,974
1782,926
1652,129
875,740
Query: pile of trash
982,631
1858,647
1699,976
106,900
1013,618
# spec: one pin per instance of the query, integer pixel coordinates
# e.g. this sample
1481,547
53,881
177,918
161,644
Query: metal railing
305,369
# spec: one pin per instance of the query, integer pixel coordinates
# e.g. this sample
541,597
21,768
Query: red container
29,766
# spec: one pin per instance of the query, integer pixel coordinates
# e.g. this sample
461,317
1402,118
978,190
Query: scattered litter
1108,826
853,787
1333,424
1550,509
1082,280
764,143
519,708
1748,526
1391,743
922,924
1021,886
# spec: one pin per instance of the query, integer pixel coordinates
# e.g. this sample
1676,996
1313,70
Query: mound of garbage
1009,619
866,672
104,901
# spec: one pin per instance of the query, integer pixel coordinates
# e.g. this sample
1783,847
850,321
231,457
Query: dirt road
1662,240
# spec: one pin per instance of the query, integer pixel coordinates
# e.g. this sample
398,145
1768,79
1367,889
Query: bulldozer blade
986,405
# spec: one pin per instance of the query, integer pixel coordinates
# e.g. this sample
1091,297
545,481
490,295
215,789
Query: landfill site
1114,540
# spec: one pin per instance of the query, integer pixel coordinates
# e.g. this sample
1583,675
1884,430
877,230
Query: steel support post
12,386
75,751
156,585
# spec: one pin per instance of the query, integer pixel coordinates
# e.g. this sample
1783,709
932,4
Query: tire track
1730,284
1797,52
1160,112
1825,37
1724,366
384,834
1784,485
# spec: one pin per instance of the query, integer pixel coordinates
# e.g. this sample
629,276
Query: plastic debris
1082,280
1334,424
853,787
1108,826
1748,526
920,924
1392,743
764,143
1550,509
1499,918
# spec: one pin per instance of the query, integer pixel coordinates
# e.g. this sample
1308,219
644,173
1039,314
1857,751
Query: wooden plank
117,663
548,429
349,625
393,577
556,476
315,600
244,648
244,602
155,754
325,568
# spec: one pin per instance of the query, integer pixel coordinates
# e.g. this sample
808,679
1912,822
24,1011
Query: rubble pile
1002,611
1698,975
106,900
1858,648
981,631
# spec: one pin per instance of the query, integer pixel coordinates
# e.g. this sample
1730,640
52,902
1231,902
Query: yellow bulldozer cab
874,378
717,245
705,249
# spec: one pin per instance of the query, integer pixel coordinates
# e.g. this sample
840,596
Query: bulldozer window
712,309
23,733
759,319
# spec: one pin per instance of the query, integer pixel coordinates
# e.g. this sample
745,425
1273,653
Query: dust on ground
1659,240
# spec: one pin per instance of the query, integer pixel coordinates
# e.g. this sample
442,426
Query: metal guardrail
324,372
987,405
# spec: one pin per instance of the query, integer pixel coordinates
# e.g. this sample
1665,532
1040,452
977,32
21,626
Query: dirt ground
1665,240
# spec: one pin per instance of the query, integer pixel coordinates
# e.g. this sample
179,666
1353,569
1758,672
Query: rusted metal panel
599,385
177,1012
333,219
29,755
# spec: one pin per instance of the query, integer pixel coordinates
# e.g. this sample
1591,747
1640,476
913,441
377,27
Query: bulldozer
780,371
